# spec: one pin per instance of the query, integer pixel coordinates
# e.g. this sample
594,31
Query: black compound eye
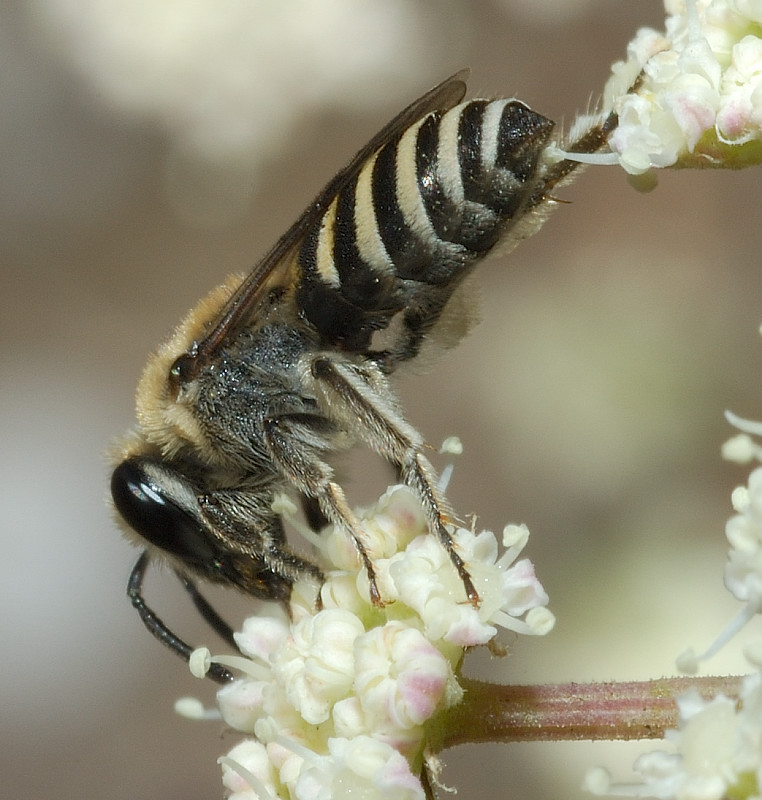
181,372
149,509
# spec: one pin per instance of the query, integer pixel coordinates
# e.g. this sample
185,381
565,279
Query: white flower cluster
718,743
228,82
198,68
717,752
339,698
743,571
696,96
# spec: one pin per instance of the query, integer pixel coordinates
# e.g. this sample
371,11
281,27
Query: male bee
272,373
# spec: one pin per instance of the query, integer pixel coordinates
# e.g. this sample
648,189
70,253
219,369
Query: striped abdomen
403,232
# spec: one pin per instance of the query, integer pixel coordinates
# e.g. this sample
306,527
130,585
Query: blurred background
148,149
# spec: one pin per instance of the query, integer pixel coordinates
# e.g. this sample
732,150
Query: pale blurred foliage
548,12
147,152
226,80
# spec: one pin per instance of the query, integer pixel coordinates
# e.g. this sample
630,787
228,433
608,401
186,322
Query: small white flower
400,676
742,105
426,582
317,663
361,767
262,637
392,523
242,703
246,764
743,573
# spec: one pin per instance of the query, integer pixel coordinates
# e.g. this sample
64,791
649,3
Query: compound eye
147,505
181,368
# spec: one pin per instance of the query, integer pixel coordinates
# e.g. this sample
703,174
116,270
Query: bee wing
275,265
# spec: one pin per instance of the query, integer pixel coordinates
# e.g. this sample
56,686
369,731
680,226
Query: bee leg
316,519
155,625
264,566
207,611
361,394
292,440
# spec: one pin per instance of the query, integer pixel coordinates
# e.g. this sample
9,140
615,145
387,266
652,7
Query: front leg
359,396
157,627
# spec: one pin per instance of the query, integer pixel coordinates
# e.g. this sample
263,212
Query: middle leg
361,397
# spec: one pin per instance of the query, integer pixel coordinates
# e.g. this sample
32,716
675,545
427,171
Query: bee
272,373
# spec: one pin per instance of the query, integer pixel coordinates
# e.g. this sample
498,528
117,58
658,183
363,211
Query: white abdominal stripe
404,230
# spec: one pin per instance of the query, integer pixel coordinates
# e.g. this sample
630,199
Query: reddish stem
571,711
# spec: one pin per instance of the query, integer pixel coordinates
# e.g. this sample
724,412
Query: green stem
570,711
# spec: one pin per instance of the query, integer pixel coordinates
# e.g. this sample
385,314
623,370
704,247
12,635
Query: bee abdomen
418,214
